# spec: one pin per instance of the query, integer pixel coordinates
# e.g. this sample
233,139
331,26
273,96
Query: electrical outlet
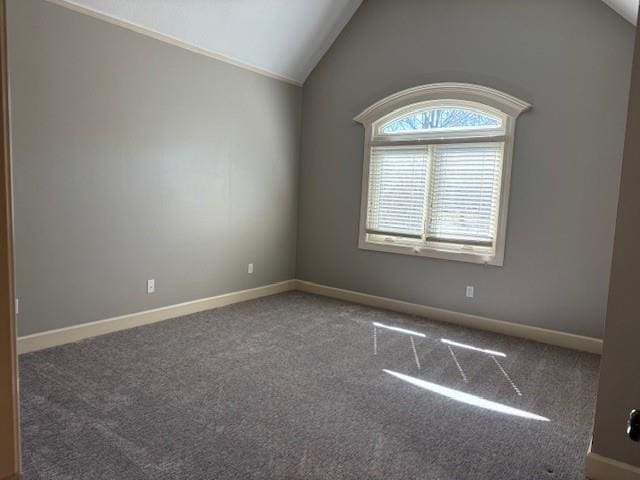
470,291
250,269
17,306
151,286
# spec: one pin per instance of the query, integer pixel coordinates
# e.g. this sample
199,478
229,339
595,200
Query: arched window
436,172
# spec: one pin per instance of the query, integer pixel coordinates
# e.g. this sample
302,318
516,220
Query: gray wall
571,59
134,159
619,389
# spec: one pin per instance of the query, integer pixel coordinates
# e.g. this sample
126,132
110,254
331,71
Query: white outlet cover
151,286
470,291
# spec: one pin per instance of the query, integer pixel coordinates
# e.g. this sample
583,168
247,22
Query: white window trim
510,106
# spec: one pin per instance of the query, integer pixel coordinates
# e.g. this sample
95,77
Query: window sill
442,254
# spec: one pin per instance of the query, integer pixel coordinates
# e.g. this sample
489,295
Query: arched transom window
436,172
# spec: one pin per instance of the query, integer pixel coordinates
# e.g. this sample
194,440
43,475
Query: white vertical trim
176,42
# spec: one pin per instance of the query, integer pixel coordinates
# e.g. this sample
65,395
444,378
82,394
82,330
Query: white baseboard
552,337
598,467
52,338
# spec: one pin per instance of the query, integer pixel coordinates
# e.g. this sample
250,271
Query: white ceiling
284,38
627,8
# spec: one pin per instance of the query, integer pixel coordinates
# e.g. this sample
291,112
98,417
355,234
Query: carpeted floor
300,386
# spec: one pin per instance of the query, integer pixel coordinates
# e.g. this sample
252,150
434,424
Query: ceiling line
171,40
628,9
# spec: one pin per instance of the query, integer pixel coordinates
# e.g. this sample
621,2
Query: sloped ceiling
281,38
627,8
284,39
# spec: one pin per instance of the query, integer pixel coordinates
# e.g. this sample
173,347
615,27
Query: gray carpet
299,386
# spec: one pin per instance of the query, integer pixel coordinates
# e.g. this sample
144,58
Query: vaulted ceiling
627,8
284,39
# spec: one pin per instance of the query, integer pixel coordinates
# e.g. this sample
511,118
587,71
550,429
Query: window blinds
465,193
447,193
397,191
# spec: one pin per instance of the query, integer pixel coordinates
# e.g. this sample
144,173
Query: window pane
397,190
443,118
465,193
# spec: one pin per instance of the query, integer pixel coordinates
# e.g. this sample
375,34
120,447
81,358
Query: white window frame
375,117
